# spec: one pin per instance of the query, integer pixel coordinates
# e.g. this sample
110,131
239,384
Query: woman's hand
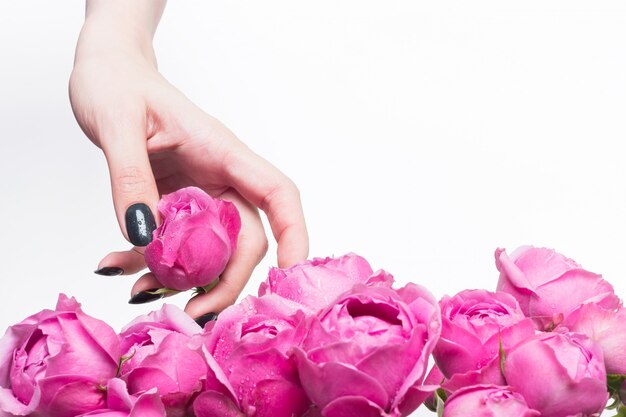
156,141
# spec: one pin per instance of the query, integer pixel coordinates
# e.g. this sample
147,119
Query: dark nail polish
145,297
109,271
139,224
205,318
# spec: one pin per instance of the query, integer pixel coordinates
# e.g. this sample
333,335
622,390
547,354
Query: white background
421,135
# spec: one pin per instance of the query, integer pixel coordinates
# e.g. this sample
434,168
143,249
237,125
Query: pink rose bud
56,362
549,286
559,374
317,283
607,328
160,352
487,401
194,242
250,341
122,404
367,353
476,324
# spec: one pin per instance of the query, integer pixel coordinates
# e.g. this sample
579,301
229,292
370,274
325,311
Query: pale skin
156,141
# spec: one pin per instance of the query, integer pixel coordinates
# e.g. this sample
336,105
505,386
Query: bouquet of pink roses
327,337
551,341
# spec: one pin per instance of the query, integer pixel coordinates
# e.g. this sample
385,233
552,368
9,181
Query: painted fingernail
139,224
205,318
145,296
109,271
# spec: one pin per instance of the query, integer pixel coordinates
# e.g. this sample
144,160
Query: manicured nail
145,296
139,224
109,271
205,318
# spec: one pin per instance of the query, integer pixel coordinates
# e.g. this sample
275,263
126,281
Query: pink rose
487,401
475,324
55,362
549,286
315,284
559,374
250,342
367,353
121,404
161,353
195,241
607,328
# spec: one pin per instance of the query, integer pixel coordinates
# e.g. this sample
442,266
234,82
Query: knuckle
263,247
284,191
291,188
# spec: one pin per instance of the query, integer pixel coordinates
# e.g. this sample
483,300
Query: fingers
135,193
269,189
123,262
251,248
146,282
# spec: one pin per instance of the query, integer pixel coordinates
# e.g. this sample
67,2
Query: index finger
269,189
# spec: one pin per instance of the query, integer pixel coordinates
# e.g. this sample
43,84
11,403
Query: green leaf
621,411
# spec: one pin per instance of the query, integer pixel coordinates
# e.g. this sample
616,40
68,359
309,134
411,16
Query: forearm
119,26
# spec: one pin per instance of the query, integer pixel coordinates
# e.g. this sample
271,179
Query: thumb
135,194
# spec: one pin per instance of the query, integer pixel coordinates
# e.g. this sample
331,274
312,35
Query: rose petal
70,395
351,406
215,404
324,383
279,398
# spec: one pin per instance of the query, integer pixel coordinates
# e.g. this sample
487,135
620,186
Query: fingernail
139,224
205,318
145,297
109,271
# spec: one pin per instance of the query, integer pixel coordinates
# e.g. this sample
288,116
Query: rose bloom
549,286
487,401
250,342
367,353
194,242
476,324
559,374
607,328
56,362
121,404
161,352
317,283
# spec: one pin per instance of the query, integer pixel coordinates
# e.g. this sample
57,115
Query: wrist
119,27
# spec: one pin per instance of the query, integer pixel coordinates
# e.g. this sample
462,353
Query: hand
156,141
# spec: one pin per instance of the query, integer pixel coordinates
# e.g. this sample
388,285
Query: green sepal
121,362
614,382
207,288
440,399
163,291
502,358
